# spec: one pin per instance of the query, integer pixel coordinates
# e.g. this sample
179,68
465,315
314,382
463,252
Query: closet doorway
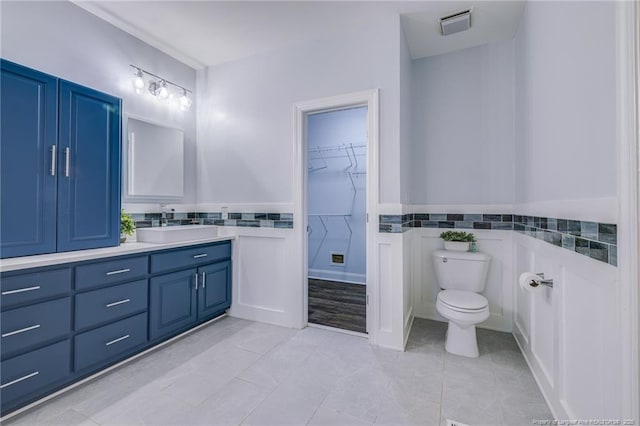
336,217
307,216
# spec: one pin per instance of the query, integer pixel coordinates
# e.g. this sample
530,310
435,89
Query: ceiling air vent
455,23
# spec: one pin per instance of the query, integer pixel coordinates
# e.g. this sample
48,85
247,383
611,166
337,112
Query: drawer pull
28,376
22,330
198,256
126,336
21,290
119,271
119,302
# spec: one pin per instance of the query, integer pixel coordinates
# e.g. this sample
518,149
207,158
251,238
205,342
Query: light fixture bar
160,78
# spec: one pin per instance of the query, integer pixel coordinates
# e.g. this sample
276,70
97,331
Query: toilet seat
463,301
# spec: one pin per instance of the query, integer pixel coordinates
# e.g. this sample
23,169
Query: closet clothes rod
335,148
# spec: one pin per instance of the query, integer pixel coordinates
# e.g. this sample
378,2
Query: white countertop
26,262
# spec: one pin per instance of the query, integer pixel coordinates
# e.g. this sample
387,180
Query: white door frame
370,100
627,110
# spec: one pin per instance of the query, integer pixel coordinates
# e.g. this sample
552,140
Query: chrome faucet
164,210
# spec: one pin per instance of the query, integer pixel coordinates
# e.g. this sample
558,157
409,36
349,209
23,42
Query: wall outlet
224,213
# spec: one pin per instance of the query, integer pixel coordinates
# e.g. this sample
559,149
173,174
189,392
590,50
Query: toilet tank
461,270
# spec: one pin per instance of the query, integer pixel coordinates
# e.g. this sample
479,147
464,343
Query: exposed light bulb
185,102
163,91
138,81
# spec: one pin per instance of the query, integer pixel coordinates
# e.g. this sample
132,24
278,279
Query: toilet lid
467,300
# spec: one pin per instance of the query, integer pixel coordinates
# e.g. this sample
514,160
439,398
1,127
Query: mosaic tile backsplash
595,240
256,220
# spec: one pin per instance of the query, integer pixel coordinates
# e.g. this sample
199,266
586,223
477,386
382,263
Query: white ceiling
206,33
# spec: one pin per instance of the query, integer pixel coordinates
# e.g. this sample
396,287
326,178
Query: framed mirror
155,161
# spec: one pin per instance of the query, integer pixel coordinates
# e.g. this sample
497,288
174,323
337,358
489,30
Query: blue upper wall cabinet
60,164
89,182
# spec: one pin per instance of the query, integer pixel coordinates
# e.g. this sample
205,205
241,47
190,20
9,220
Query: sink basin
176,234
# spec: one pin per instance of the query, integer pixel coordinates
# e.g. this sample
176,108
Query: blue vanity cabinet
60,164
214,294
172,303
63,323
28,169
89,178
180,299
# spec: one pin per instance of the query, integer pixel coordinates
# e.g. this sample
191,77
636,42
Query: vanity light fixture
185,101
160,88
138,81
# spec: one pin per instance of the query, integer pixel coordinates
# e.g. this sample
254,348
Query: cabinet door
89,169
27,148
172,302
214,294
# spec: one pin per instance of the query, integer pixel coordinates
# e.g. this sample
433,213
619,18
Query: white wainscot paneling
389,322
570,334
499,290
265,287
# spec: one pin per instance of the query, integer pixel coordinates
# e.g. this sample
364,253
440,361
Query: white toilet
462,276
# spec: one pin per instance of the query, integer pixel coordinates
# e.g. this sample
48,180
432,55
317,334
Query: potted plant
127,226
457,240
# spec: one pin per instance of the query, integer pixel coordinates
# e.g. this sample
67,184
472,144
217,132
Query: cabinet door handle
204,279
119,339
198,256
13,382
119,271
53,160
119,302
66,161
22,330
21,290
196,274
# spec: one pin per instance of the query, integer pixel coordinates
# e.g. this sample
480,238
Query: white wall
565,102
462,141
62,39
245,115
566,166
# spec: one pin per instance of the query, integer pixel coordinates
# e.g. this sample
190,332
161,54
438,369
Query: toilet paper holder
541,281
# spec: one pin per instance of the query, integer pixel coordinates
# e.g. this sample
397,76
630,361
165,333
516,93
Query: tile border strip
249,220
593,239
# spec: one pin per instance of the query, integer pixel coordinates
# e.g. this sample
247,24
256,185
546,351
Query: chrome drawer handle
53,160
66,162
21,290
22,330
119,302
28,376
126,336
119,271
198,256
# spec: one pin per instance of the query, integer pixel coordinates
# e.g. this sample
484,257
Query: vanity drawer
107,343
31,287
186,258
111,271
23,328
109,304
28,376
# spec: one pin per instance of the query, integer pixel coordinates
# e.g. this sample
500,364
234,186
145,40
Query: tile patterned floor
240,372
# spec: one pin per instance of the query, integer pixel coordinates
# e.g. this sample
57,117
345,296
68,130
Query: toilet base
462,340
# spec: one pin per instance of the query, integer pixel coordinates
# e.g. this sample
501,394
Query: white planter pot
457,245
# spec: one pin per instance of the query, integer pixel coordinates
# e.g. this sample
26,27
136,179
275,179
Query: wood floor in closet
338,304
